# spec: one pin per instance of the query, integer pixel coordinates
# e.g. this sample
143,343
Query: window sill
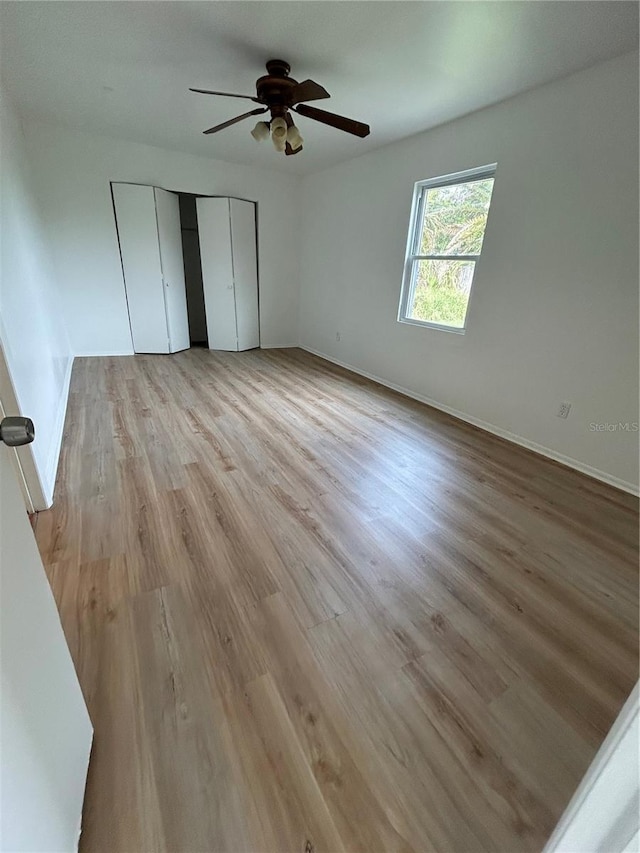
439,326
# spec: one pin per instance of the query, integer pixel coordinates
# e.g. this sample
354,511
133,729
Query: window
448,219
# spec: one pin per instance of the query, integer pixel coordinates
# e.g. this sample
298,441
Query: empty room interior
319,398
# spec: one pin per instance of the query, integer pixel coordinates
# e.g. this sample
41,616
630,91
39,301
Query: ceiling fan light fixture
261,131
279,130
279,94
293,137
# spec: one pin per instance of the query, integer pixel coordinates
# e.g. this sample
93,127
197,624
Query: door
245,272
170,240
44,725
214,230
140,252
603,812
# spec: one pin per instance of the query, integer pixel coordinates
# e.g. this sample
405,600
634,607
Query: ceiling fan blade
308,90
234,120
288,150
226,94
357,128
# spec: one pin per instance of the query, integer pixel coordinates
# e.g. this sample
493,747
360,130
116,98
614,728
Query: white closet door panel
170,239
245,272
214,230
138,234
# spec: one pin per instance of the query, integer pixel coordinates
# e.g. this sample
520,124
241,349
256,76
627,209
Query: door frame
22,457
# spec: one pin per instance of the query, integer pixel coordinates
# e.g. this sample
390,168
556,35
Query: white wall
33,335
554,312
73,170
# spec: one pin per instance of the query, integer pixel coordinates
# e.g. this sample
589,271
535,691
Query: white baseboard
56,438
279,346
131,352
596,473
103,354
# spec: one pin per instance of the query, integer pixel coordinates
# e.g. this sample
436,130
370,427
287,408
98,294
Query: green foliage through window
451,230
455,218
442,291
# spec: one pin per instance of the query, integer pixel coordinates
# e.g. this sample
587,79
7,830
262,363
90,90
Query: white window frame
420,191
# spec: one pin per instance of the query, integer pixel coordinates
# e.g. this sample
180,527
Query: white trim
38,499
441,327
17,466
22,480
131,352
24,459
569,461
603,812
55,445
473,258
105,354
479,173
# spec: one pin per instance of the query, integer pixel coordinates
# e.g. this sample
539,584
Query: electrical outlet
338,336
563,410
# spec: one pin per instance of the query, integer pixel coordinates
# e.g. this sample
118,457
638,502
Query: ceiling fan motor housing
278,67
274,89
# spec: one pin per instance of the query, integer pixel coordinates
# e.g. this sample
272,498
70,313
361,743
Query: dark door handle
16,431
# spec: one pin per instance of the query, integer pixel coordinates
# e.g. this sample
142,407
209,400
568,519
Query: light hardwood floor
308,614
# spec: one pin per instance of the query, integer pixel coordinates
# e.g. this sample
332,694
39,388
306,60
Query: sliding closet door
139,248
214,230
245,272
170,239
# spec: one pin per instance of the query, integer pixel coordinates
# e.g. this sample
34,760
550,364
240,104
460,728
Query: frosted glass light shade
279,130
261,131
293,137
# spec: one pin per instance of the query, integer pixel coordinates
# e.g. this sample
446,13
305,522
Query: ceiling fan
280,94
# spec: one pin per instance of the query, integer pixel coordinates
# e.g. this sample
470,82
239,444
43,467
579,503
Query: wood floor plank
461,717
200,802
315,717
292,811
309,614
121,807
409,766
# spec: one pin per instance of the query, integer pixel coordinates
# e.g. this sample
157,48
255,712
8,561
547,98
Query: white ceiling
123,68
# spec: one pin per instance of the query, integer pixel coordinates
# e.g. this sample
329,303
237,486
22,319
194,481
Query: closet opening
190,269
196,312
